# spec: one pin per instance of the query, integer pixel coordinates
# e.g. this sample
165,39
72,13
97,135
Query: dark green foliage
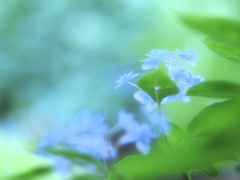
185,176
209,170
87,177
217,126
31,174
73,155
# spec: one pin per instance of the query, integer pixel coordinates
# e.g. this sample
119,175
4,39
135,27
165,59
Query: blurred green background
58,56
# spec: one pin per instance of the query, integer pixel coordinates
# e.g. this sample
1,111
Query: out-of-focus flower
141,134
159,122
85,122
145,99
156,56
125,79
191,80
189,56
58,135
95,145
177,72
61,164
180,96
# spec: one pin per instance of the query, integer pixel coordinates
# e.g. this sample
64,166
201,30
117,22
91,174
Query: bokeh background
59,56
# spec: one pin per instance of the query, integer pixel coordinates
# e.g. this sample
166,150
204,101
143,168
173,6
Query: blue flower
159,122
156,56
177,72
141,134
61,164
180,96
95,145
191,80
125,79
58,135
145,99
188,56
85,122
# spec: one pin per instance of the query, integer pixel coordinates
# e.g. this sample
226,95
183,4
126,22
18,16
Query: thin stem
133,85
158,103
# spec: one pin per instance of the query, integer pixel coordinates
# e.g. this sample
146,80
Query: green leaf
220,29
213,119
31,174
229,52
157,78
215,89
218,146
209,170
173,138
73,155
185,176
87,177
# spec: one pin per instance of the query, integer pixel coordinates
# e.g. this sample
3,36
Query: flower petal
143,147
150,64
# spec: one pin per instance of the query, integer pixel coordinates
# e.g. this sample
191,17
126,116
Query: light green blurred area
60,56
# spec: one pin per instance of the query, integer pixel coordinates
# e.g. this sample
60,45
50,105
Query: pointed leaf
31,174
217,28
209,170
151,81
229,52
215,89
87,177
213,119
173,138
218,147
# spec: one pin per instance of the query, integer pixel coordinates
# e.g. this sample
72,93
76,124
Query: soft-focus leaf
33,173
213,119
209,170
229,52
157,78
217,28
185,176
215,89
223,117
73,155
237,167
173,138
87,177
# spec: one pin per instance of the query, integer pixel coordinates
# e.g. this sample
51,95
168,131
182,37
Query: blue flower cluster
89,135
85,134
177,72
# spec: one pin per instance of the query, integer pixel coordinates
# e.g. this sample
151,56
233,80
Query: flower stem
158,103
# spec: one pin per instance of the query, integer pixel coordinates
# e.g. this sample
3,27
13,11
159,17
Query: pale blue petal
133,76
151,106
126,120
198,79
184,98
190,62
150,64
171,98
127,138
142,97
143,147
